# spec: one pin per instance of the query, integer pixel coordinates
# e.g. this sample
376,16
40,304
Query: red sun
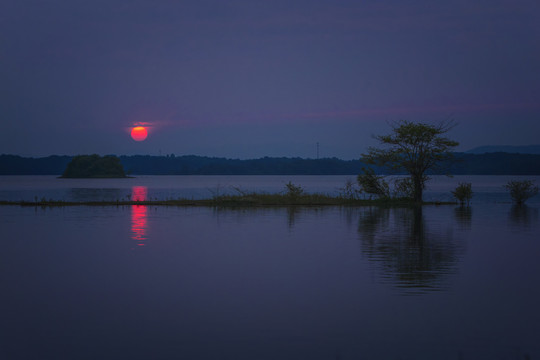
139,133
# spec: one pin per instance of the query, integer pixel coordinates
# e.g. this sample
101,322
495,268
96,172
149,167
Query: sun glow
139,133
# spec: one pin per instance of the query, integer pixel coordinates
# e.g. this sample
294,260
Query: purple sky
247,79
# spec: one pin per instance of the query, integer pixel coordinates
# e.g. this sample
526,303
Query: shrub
293,191
373,184
415,148
404,188
463,193
349,192
520,191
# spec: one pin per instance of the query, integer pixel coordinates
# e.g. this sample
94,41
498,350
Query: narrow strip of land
250,200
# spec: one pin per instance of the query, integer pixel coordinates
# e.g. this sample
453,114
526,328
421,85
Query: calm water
29,188
141,282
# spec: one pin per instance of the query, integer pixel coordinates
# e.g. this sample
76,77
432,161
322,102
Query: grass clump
463,193
292,195
521,191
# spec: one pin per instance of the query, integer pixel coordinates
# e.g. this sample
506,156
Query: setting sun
139,133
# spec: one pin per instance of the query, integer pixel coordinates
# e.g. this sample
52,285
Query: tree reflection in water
408,254
463,216
292,214
523,216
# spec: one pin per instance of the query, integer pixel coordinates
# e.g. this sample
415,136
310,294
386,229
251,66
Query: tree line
462,164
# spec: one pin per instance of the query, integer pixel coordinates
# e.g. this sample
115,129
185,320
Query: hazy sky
247,79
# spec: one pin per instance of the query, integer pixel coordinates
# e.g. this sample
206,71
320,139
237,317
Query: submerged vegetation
293,195
521,191
463,193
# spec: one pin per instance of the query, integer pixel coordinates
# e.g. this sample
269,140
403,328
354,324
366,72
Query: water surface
144,282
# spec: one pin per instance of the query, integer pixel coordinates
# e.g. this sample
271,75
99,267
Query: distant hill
528,149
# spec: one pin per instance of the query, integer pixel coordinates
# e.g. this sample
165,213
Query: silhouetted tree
414,148
94,166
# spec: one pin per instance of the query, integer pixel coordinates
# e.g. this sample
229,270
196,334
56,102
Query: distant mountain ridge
525,149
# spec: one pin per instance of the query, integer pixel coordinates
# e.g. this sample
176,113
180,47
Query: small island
94,166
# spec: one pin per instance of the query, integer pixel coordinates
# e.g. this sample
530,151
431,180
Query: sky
249,78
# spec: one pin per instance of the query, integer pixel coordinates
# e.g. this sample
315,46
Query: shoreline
264,200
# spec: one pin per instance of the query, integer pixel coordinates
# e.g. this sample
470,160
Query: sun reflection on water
138,215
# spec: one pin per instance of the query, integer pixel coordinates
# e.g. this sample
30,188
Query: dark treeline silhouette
17,165
198,165
94,166
463,164
495,164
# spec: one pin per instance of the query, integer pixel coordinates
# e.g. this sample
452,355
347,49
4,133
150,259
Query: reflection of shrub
373,184
463,193
520,191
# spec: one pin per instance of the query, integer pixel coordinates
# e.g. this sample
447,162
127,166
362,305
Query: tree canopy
413,148
94,166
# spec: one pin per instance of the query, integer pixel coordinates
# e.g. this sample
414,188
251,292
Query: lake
147,282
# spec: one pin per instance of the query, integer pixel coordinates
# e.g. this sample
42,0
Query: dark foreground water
272,283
